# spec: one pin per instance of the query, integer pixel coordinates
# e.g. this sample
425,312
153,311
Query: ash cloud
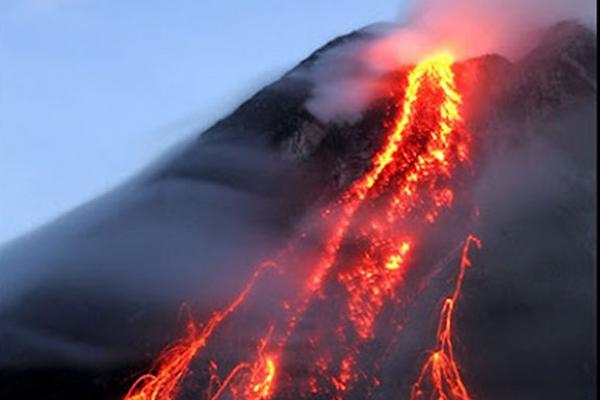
104,284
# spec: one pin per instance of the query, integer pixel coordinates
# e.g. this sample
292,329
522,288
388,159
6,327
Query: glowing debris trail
440,377
258,383
386,163
423,179
173,363
411,175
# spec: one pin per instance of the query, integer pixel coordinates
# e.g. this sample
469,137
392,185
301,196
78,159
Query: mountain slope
98,290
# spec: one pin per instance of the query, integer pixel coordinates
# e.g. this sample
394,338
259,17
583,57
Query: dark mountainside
85,304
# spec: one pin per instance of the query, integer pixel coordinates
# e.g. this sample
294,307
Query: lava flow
375,230
174,361
440,376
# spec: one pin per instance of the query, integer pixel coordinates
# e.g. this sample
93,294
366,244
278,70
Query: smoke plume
348,78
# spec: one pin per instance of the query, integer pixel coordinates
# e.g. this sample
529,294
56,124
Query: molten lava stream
440,377
411,176
173,363
250,381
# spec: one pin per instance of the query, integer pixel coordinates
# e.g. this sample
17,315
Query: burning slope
373,228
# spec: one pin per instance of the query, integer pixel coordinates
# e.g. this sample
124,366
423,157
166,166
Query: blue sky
92,90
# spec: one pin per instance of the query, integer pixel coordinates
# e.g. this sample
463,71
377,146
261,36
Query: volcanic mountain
89,300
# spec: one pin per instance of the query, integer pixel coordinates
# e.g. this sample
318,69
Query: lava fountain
373,232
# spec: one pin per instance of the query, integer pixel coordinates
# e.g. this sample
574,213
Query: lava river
342,312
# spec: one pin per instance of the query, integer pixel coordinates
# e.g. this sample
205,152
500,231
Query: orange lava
422,167
173,363
412,172
410,179
249,381
440,377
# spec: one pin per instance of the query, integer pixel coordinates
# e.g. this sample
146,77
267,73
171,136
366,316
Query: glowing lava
440,377
249,381
410,179
172,365
374,229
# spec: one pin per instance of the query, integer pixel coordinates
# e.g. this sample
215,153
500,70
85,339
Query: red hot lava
440,376
409,184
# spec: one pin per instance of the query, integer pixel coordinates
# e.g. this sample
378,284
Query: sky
93,90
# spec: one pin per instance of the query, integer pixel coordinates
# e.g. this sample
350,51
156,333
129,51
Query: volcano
441,244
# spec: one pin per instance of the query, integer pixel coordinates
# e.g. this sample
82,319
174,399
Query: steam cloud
347,81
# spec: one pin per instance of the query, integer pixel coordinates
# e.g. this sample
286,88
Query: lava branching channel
372,233
440,378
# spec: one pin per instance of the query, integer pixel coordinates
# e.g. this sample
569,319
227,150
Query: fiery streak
258,379
411,177
413,169
386,163
174,361
440,377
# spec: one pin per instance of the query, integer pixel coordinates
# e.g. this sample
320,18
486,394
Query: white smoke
347,79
